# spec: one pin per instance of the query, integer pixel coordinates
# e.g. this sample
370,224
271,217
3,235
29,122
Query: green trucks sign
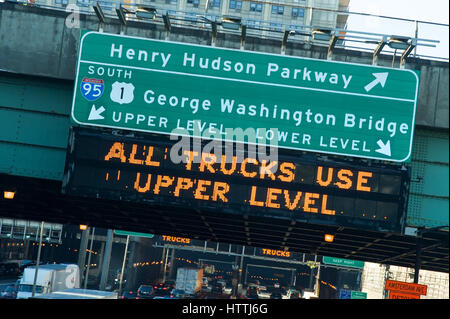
235,95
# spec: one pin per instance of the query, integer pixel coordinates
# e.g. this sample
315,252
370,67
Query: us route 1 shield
285,101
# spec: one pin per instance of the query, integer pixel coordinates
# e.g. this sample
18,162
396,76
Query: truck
78,293
50,278
190,280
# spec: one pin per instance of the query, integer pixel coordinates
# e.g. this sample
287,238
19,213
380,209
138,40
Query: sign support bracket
122,19
378,50
100,15
167,25
213,33
333,41
406,53
243,36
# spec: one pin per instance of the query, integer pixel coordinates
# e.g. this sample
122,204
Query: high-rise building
374,276
259,14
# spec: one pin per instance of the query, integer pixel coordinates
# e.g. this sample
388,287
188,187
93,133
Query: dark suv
162,289
217,288
145,292
252,292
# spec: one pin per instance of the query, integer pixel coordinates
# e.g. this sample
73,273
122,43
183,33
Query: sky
422,10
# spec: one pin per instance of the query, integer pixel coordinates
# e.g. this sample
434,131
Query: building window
195,3
171,1
106,5
191,16
172,14
214,3
253,24
294,27
256,7
298,12
83,3
276,26
277,9
62,2
235,4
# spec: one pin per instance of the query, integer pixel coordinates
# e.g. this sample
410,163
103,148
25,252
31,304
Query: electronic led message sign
139,169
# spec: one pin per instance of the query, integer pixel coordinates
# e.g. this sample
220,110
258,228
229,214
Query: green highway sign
342,262
359,295
352,294
236,95
130,233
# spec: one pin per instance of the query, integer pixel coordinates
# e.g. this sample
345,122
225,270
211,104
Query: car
8,292
162,289
252,292
276,295
130,295
228,288
206,288
145,292
293,294
263,293
217,288
204,282
163,297
178,293
171,284
9,269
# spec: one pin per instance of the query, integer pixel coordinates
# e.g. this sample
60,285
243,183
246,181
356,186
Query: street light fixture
321,34
329,238
9,194
146,13
399,43
231,23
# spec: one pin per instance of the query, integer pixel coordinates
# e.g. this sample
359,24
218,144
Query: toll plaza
368,182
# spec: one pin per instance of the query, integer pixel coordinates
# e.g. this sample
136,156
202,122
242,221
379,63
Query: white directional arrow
384,148
95,113
379,78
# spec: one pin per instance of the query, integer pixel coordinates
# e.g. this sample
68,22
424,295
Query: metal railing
29,230
351,39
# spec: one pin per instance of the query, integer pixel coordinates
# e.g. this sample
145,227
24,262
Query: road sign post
295,103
